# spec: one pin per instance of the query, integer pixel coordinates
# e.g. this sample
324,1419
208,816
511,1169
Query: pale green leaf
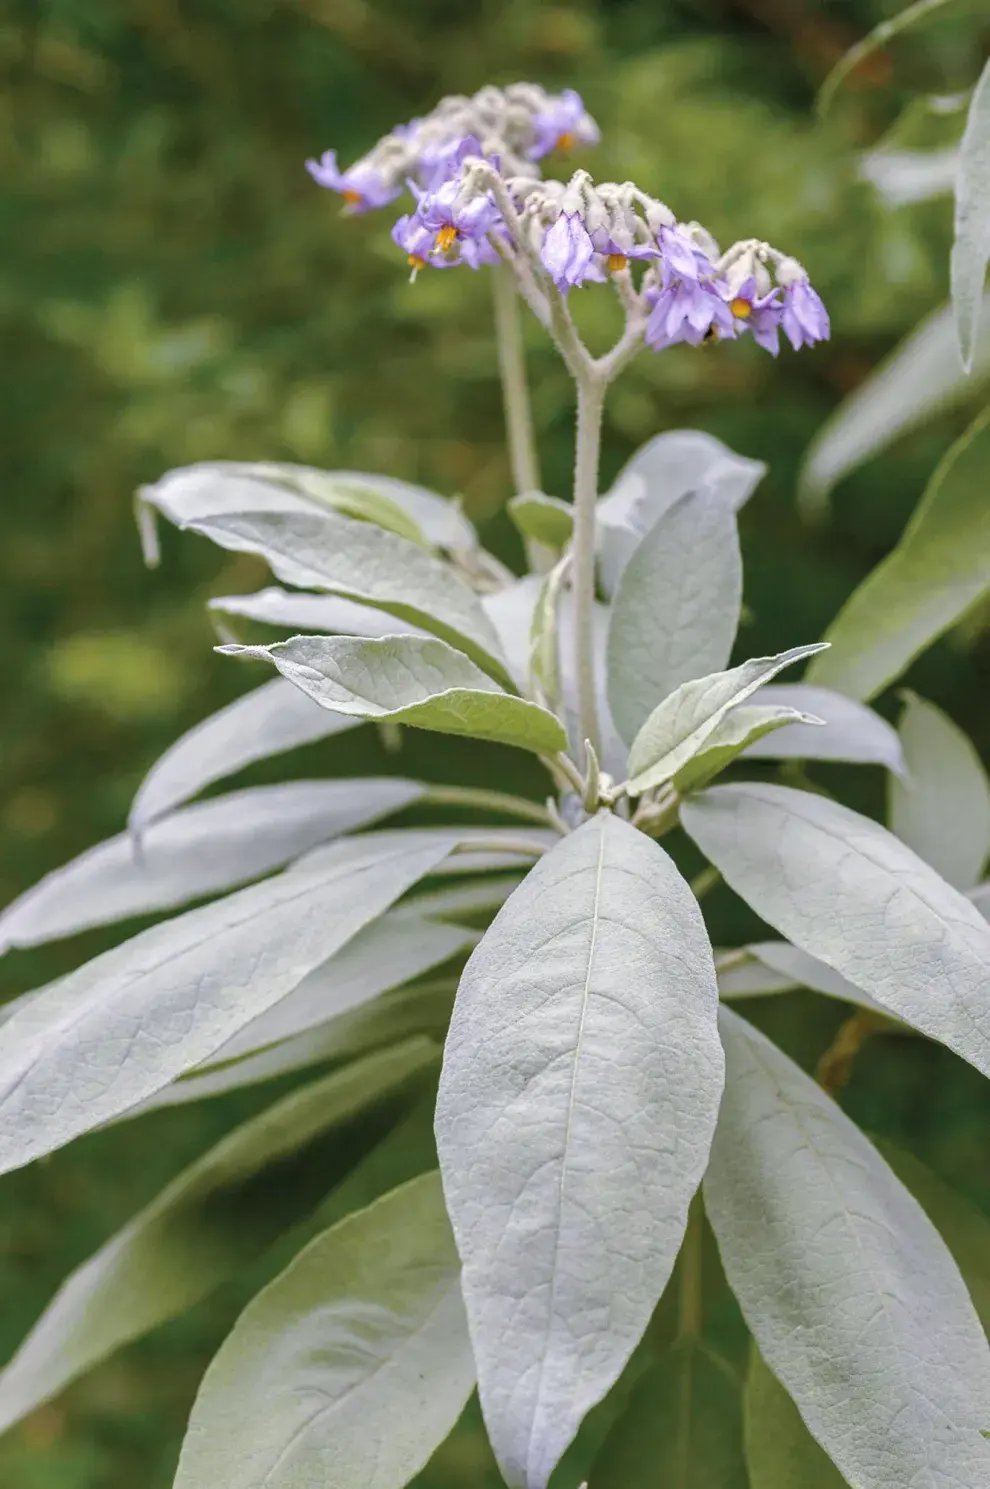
676,608
855,733
740,730
349,1369
802,970
682,1428
212,1220
198,851
581,1081
920,378
461,900
904,177
266,721
353,497
780,1451
510,611
851,1295
942,809
545,519
971,249
848,892
940,567
873,42
120,1028
742,975
302,612
682,725
324,551
425,683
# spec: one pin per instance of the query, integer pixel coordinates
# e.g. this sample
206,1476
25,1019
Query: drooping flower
567,251
688,310
560,124
681,257
440,161
363,186
758,314
415,240
455,215
804,317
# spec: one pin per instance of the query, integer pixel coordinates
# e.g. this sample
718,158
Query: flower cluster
472,168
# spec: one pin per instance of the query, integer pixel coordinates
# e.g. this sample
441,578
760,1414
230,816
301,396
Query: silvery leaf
971,249
942,808
301,612
581,1081
854,733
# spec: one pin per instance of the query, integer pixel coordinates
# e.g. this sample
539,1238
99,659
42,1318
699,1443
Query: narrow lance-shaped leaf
223,486
395,948
198,851
266,721
581,1081
940,567
301,612
942,809
682,1428
373,1360
852,1297
802,970
333,553
780,1451
921,377
214,1218
682,725
845,890
385,1021
676,608
739,731
116,1031
425,683
855,733
971,249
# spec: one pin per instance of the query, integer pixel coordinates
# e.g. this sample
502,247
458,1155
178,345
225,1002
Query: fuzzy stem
487,801
515,393
590,405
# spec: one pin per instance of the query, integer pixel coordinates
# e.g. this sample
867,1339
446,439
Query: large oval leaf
372,1363
266,721
676,608
848,892
853,733
971,249
120,1028
425,683
848,1289
325,551
920,377
213,1219
197,851
940,567
942,809
301,612
580,1085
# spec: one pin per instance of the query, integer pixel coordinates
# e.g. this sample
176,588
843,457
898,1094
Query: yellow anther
616,262
741,308
445,238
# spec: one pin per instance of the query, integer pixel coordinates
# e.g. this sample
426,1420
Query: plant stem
835,1066
515,393
487,801
590,405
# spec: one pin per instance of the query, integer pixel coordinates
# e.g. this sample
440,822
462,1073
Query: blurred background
173,287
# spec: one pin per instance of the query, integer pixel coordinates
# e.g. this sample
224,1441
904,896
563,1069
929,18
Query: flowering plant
600,1103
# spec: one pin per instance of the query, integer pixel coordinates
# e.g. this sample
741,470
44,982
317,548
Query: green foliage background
173,287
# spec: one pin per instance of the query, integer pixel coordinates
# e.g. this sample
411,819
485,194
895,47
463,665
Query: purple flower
361,185
441,162
562,124
567,251
415,240
803,317
759,314
680,256
453,215
687,310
